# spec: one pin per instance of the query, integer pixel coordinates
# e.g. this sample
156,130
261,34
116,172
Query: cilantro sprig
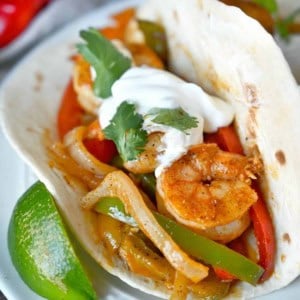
126,127
176,118
107,61
126,130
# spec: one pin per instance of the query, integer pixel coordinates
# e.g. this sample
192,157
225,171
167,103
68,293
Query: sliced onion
118,184
74,142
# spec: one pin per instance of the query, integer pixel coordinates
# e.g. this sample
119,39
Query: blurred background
23,24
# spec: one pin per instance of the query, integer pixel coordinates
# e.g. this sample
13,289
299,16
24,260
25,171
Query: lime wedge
41,250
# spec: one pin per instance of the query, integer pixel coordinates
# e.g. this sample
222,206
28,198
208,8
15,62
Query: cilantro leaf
270,5
107,61
175,117
126,131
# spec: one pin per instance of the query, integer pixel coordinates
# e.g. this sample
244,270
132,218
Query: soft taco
216,139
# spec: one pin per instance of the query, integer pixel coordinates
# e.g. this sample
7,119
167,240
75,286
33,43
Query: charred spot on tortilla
286,238
30,129
282,258
218,84
251,94
251,130
175,15
39,78
252,124
280,157
252,115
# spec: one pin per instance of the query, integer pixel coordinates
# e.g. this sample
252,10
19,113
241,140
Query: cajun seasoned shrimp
140,54
83,85
147,160
229,232
208,187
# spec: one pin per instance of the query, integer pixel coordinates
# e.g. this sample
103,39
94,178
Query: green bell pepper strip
194,244
114,207
155,38
117,162
147,182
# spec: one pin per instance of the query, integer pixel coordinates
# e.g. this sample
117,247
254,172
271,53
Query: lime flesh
41,250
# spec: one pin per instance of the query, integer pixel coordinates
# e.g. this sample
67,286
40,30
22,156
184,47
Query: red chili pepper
104,150
228,140
15,15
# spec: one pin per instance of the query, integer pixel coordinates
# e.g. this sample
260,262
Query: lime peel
41,251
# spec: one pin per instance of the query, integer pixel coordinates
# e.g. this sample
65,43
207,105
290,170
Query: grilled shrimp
147,160
140,54
83,83
208,187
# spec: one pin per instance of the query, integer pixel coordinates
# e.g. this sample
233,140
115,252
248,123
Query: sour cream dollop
148,88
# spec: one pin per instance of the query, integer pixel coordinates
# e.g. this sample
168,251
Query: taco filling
174,198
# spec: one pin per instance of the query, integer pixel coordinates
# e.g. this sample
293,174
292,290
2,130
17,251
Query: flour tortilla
229,55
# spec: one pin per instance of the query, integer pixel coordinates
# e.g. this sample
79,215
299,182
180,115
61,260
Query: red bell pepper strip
70,116
104,150
238,246
264,233
228,140
95,142
15,15
224,275
70,112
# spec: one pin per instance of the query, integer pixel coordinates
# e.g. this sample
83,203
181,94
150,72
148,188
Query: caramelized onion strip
73,142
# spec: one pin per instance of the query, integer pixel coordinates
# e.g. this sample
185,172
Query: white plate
15,178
